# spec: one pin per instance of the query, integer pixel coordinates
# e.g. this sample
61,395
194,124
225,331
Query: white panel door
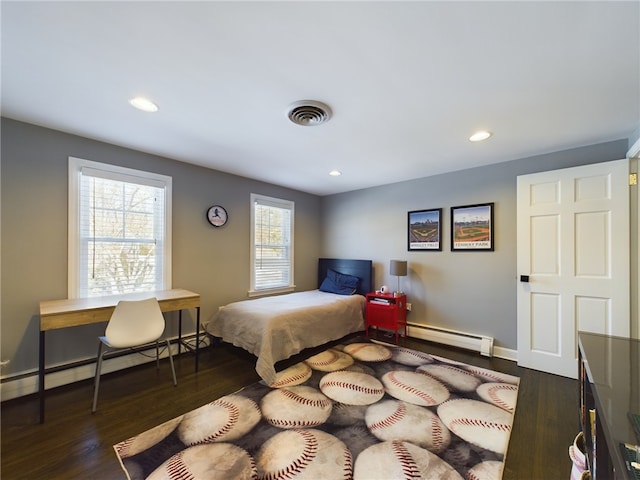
573,262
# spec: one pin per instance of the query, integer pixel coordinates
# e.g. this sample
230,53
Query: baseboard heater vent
26,383
469,341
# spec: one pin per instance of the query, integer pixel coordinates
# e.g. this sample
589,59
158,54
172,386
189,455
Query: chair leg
157,355
173,370
96,382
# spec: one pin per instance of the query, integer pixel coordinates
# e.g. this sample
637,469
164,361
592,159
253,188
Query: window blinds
273,243
122,233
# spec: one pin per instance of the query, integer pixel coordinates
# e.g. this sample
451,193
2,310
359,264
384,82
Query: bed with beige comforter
275,328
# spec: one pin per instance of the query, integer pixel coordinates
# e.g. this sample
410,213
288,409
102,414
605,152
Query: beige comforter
274,328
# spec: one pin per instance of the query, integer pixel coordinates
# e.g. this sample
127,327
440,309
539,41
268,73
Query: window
272,245
119,230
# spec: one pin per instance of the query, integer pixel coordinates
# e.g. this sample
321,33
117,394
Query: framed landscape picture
425,230
472,227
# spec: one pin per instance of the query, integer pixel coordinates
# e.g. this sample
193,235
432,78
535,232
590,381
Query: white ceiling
408,82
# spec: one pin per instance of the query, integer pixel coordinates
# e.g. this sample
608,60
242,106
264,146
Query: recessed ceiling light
479,136
335,173
143,104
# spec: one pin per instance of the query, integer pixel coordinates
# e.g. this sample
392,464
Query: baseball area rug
361,410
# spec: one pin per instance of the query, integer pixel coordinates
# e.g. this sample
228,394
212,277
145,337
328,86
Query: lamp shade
399,268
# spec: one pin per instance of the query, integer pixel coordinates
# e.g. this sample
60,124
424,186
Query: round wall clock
217,216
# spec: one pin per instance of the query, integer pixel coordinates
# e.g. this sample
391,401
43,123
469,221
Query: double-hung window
272,245
119,230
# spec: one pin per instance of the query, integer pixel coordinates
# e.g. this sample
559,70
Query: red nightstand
388,311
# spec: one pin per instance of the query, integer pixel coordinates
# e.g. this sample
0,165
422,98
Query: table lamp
399,269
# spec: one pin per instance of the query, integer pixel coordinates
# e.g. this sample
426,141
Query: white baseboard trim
505,353
27,383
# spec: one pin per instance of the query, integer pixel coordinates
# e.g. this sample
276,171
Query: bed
277,327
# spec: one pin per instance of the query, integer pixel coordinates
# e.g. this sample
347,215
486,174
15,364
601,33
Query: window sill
270,291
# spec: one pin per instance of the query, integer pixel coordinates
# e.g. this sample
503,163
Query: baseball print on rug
362,410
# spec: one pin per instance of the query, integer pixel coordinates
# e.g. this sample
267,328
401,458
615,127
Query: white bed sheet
275,328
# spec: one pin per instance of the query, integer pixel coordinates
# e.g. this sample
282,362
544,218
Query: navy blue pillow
340,283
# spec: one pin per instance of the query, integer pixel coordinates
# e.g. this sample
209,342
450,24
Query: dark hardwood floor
74,444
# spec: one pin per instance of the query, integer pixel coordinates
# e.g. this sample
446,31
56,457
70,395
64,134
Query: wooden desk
56,314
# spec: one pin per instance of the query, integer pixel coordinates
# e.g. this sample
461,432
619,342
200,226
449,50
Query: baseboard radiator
26,383
469,341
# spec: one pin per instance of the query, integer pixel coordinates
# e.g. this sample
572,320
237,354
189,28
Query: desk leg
197,335
179,330
41,376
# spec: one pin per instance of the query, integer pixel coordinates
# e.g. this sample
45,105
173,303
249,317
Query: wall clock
217,216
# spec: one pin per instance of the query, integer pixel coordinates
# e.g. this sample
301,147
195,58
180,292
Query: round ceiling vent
309,113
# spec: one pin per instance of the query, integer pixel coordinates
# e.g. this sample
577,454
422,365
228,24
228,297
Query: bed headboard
360,268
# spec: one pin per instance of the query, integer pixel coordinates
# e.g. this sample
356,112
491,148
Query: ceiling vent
309,113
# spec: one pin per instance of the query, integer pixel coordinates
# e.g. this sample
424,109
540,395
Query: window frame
257,199
76,165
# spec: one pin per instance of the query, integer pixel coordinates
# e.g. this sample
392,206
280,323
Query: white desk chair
134,323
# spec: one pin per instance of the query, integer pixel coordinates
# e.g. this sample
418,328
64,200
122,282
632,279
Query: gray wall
213,262
467,291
